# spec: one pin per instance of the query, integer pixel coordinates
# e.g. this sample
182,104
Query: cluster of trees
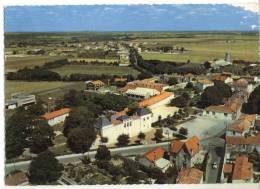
94,101
26,129
253,104
215,95
94,62
38,52
102,54
181,101
166,67
35,74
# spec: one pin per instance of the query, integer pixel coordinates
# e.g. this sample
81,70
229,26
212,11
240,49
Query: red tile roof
227,168
155,99
155,154
16,179
189,176
238,140
57,113
192,145
239,126
242,168
176,146
144,84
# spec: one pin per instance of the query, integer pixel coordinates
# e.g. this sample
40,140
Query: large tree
79,117
215,95
44,169
42,137
103,153
253,104
80,139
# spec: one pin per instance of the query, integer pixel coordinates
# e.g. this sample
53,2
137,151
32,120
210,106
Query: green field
33,87
93,69
15,63
206,47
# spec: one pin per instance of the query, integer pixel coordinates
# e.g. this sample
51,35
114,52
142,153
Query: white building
141,93
20,99
56,117
120,123
229,111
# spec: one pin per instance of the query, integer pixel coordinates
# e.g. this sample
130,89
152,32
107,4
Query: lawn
32,87
93,69
15,63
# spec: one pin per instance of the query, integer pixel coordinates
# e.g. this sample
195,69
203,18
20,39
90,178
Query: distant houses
56,117
94,85
203,84
141,93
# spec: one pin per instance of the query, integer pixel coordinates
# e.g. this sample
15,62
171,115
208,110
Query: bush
123,140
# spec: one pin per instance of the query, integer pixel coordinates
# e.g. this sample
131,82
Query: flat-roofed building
20,99
141,93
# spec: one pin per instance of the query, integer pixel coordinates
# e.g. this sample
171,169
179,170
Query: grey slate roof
143,111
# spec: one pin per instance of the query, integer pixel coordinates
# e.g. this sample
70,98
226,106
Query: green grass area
15,63
97,70
32,87
203,47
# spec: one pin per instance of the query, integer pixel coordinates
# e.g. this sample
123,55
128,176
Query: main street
124,151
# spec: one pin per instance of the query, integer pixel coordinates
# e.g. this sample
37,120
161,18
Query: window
207,112
214,113
225,114
124,124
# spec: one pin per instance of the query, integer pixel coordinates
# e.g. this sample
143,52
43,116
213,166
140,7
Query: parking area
203,127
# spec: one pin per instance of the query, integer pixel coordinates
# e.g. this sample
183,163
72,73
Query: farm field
206,47
32,87
15,63
93,69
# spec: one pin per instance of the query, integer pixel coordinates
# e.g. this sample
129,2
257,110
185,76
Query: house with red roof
238,171
190,175
57,116
244,125
185,153
154,158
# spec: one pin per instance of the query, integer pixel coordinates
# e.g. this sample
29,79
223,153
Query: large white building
121,123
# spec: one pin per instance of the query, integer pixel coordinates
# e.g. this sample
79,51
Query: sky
171,17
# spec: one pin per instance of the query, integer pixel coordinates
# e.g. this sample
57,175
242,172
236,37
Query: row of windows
214,113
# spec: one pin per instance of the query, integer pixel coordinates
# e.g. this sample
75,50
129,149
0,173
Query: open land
93,69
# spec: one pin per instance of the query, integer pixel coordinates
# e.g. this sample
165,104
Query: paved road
125,151
212,174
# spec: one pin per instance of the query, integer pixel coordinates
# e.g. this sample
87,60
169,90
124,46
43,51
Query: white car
214,165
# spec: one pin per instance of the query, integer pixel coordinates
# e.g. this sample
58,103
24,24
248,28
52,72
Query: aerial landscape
131,94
